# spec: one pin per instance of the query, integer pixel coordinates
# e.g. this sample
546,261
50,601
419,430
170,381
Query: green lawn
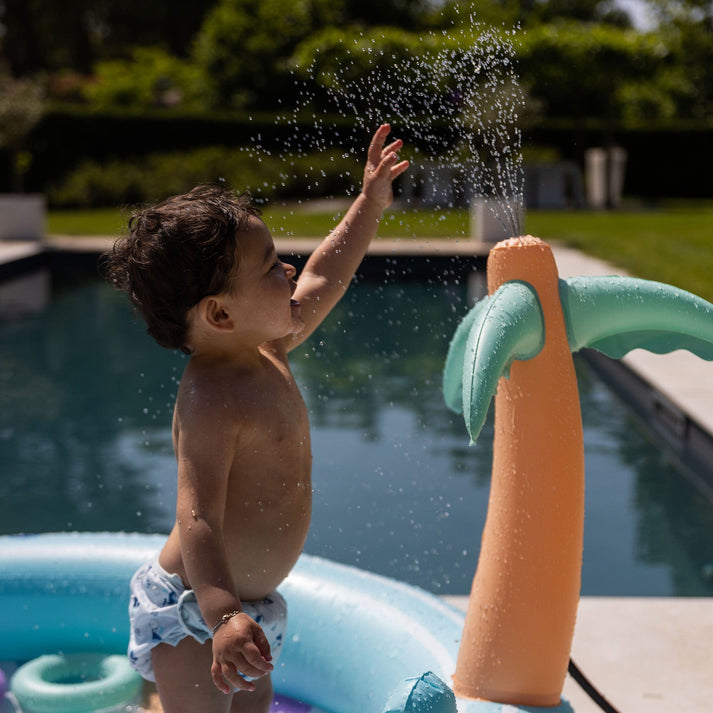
289,220
103,221
672,243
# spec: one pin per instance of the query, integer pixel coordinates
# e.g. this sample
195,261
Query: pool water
85,444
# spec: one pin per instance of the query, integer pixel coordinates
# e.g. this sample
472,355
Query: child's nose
290,271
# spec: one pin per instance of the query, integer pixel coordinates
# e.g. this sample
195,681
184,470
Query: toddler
207,623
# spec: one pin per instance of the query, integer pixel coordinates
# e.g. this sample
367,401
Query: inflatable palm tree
523,605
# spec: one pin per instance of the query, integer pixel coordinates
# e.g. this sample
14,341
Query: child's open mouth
294,303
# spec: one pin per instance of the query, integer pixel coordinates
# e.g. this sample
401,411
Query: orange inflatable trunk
523,604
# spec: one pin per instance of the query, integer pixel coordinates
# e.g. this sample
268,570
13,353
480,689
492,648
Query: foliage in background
237,53
582,70
46,36
157,176
151,77
243,46
21,106
580,61
688,30
458,78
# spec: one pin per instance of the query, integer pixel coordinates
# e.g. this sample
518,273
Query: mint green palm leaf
610,314
497,331
453,370
617,314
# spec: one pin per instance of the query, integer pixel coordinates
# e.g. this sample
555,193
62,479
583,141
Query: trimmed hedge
67,138
662,161
159,175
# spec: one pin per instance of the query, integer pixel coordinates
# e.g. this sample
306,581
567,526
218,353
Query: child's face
263,286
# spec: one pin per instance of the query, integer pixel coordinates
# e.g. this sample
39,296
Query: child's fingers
384,166
263,645
393,147
398,169
253,667
227,679
377,144
388,167
235,681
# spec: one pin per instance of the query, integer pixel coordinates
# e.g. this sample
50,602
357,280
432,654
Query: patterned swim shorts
163,611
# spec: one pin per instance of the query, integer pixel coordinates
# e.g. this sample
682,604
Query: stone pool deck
652,655
644,655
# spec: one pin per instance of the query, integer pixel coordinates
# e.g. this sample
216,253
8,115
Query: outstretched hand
239,647
382,167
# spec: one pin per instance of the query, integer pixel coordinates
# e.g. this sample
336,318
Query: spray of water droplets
454,96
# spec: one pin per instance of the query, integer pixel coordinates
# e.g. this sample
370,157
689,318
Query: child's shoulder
216,388
207,388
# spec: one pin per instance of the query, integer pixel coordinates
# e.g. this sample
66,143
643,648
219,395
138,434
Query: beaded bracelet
225,619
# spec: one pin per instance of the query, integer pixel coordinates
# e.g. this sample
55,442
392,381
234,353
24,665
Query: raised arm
332,265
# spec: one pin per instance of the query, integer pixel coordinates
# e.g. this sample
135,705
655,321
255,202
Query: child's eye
277,265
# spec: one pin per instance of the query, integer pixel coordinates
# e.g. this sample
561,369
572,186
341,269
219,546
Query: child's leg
183,678
185,685
258,701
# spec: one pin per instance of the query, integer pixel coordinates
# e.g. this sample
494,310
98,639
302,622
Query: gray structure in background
605,170
495,219
22,216
553,186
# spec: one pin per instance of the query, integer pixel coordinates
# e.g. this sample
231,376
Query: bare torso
269,492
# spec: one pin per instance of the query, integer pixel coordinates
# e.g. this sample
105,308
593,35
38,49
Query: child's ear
214,313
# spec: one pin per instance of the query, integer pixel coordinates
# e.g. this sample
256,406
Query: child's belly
262,543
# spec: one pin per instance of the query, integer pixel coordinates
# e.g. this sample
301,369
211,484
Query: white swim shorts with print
163,611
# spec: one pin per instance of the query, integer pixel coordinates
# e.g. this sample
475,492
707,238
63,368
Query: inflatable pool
357,642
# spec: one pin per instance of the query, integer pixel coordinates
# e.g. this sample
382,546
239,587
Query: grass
101,221
284,220
672,243
289,220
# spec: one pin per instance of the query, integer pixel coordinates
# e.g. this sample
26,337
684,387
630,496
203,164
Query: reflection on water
25,295
86,401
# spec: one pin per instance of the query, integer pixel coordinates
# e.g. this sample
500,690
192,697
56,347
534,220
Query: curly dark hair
175,254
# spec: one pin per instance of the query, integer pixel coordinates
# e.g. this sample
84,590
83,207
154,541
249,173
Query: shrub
594,70
151,78
243,44
157,176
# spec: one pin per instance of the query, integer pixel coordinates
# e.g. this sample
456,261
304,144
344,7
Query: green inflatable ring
75,683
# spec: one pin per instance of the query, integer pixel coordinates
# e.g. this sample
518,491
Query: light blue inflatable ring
355,642
75,683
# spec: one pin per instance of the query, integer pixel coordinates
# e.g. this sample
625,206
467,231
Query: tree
121,25
682,12
150,78
687,26
42,35
600,11
405,14
46,35
243,47
592,70
529,13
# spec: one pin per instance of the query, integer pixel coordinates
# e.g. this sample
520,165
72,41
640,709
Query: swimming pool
85,409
